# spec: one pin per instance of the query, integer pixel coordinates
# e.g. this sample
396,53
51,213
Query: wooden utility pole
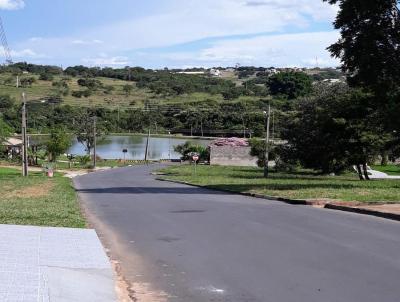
147,146
24,138
94,142
266,164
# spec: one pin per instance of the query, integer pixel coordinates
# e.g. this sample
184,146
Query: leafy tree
46,77
26,82
335,129
91,84
369,44
258,150
58,143
84,129
290,84
188,147
5,130
6,102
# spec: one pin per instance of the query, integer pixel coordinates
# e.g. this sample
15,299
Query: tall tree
84,129
58,143
290,84
334,129
369,47
5,130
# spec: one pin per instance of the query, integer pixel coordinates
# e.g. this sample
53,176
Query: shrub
188,147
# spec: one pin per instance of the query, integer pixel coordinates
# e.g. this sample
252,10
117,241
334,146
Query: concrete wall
231,156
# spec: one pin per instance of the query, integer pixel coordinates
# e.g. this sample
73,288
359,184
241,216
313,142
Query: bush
46,77
188,147
84,160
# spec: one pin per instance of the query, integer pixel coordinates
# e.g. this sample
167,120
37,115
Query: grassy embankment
299,185
116,98
37,200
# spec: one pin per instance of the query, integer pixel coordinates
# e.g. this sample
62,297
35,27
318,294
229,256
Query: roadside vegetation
38,200
301,184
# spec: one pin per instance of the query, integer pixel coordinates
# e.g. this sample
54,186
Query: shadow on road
150,190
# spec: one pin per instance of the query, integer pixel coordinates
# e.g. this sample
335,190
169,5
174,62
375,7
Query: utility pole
24,138
169,145
94,142
147,146
119,127
17,81
266,166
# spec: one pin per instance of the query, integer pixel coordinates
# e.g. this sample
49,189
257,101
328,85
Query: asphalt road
187,244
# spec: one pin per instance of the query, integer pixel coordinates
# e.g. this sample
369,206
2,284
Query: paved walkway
53,265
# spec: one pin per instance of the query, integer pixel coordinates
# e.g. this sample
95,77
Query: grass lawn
38,200
389,169
300,185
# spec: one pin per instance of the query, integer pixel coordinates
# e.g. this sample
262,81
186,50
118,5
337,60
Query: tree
369,47
46,77
5,130
58,143
6,102
84,129
90,84
127,89
26,82
188,147
290,84
336,128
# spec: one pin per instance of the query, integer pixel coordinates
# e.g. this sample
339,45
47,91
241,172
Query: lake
111,147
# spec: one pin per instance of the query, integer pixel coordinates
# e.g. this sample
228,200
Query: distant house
332,81
215,72
12,147
231,152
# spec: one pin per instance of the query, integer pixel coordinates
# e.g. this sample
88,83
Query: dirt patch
36,191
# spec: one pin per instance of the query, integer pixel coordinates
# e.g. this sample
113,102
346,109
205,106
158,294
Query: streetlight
266,164
169,145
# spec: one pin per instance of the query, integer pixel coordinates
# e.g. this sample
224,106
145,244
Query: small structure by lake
12,147
231,152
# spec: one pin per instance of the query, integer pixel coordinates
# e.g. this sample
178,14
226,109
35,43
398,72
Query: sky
170,33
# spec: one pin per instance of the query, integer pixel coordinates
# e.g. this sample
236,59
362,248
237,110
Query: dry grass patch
35,191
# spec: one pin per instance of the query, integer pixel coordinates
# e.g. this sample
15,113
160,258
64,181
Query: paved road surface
186,244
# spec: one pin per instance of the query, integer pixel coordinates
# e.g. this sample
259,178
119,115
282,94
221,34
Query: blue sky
170,33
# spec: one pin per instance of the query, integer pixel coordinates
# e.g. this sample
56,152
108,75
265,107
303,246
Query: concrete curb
329,206
362,211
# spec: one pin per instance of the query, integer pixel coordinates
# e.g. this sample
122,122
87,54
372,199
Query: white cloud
303,49
26,53
103,60
186,21
35,39
87,42
183,21
11,4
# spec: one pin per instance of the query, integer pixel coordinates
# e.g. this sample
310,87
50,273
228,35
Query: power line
6,48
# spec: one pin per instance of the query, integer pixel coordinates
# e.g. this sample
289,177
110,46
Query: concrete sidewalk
53,264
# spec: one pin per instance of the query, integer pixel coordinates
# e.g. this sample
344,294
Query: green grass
300,185
388,169
38,200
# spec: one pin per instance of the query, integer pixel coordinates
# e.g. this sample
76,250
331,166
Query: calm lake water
159,147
